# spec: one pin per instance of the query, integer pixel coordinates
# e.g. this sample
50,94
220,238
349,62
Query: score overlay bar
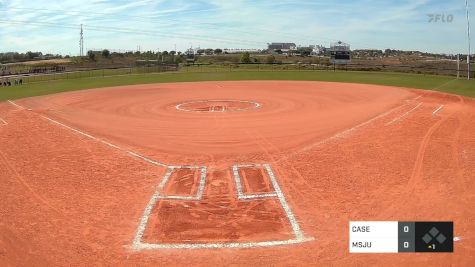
400,237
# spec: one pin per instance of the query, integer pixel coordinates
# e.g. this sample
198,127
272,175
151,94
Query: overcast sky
53,26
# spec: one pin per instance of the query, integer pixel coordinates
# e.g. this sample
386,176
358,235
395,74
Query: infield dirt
339,152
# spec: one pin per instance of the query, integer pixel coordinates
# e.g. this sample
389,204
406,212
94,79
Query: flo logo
440,18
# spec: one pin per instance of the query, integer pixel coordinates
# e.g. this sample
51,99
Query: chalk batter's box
400,237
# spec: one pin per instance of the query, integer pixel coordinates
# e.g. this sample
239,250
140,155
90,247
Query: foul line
3,122
16,105
345,132
138,245
403,115
131,153
437,110
137,242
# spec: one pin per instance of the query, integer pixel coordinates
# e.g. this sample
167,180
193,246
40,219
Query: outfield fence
447,70
90,73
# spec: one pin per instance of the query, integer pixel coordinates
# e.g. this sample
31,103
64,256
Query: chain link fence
446,69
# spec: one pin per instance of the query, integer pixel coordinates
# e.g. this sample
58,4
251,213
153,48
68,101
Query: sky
53,26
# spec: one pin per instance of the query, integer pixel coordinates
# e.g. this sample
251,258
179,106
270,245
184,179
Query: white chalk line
290,215
299,236
237,180
277,191
437,110
134,154
201,185
256,106
403,115
257,196
137,242
16,105
131,153
344,133
4,122
238,245
138,245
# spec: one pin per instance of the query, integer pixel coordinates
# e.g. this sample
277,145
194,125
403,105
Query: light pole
468,37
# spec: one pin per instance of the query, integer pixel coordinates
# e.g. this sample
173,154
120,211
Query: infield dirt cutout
245,173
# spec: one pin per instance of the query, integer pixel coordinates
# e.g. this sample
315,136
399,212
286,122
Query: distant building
284,47
317,50
241,50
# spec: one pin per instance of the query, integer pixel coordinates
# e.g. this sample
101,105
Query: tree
172,53
246,58
218,51
270,59
200,51
91,55
165,53
304,51
106,53
30,55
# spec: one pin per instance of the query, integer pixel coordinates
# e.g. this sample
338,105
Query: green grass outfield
430,82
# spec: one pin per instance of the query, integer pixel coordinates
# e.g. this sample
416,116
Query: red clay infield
231,173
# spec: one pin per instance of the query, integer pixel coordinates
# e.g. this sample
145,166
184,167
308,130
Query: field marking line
16,105
257,196
444,84
148,210
344,133
151,161
437,110
256,105
4,122
201,185
138,245
243,245
238,182
288,211
403,115
131,153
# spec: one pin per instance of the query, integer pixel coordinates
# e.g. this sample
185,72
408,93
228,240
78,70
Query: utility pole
469,44
458,66
81,43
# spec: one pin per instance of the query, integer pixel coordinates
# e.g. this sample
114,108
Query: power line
136,31
77,13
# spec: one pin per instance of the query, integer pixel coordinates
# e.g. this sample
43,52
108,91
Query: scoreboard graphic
400,237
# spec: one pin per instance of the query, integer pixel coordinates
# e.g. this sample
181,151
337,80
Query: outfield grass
431,82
